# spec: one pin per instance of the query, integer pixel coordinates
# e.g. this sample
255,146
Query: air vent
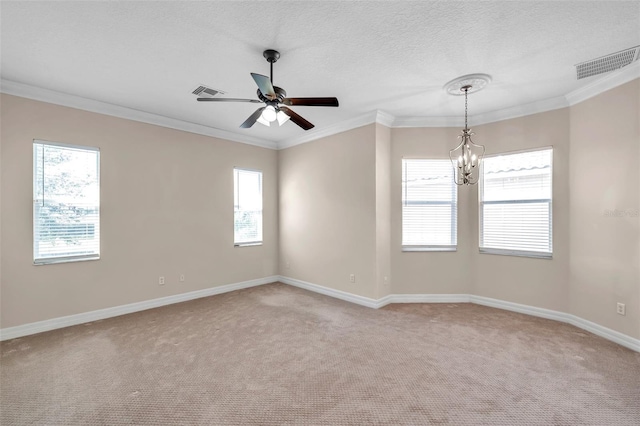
607,63
204,91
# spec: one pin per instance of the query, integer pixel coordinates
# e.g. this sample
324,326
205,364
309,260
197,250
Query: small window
247,229
429,206
515,204
66,203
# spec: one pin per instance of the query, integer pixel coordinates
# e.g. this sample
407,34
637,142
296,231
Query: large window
247,229
429,206
66,203
515,204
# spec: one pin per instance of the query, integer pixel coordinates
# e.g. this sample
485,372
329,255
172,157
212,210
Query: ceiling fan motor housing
280,95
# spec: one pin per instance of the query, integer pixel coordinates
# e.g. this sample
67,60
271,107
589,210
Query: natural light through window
66,203
247,207
516,204
429,205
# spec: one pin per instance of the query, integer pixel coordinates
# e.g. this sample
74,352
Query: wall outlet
352,278
181,278
620,309
287,265
161,281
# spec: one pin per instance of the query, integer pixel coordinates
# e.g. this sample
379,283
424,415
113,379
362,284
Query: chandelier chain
466,92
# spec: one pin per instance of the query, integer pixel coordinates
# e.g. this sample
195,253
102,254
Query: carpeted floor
278,355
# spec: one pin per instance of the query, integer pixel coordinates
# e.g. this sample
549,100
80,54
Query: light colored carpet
278,355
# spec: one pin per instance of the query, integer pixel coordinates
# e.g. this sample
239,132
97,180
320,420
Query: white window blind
66,203
247,207
429,205
516,204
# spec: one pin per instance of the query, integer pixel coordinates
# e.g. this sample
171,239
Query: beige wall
166,209
427,272
536,282
605,250
328,211
332,208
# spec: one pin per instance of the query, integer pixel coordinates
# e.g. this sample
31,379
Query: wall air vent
204,92
607,63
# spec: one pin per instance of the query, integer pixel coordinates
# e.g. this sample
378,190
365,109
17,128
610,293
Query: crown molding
385,118
332,129
428,122
608,82
50,96
519,111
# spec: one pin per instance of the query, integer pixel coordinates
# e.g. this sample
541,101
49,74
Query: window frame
454,212
236,192
73,258
515,252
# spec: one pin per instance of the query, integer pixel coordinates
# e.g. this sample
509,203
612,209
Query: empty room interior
321,213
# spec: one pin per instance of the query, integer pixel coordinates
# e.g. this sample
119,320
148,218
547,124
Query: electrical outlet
620,309
181,278
287,265
352,278
161,281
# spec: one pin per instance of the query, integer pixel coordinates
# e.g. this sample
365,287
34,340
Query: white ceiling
388,56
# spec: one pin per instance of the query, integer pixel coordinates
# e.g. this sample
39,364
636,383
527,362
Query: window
66,203
247,227
515,204
429,206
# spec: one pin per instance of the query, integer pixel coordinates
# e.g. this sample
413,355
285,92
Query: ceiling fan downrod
271,56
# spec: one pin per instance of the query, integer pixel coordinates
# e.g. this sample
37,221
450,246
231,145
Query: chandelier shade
466,159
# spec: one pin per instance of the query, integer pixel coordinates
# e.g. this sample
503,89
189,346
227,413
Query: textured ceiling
388,56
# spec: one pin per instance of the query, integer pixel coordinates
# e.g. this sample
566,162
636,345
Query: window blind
429,205
66,203
247,207
516,204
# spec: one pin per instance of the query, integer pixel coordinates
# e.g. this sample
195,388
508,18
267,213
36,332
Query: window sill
53,261
431,249
517,253
248,244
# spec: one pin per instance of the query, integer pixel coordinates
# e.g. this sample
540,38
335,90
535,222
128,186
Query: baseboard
55,323
522,309
428,298
61,322
338,294
598,330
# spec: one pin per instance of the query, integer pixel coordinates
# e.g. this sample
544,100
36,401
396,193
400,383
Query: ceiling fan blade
252,119
329,102
228,100
297,119
265,86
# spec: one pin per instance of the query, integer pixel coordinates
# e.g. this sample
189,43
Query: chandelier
467,156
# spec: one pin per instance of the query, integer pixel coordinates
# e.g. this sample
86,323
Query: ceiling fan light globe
262,121
282,118
269,113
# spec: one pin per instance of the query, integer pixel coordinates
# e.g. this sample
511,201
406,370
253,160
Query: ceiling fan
275,99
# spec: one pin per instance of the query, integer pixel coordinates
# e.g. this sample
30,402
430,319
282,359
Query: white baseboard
607,333
61,322
428,298
338,294
597,329
55,323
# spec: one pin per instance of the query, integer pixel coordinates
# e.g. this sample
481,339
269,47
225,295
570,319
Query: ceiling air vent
607,63
204,91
